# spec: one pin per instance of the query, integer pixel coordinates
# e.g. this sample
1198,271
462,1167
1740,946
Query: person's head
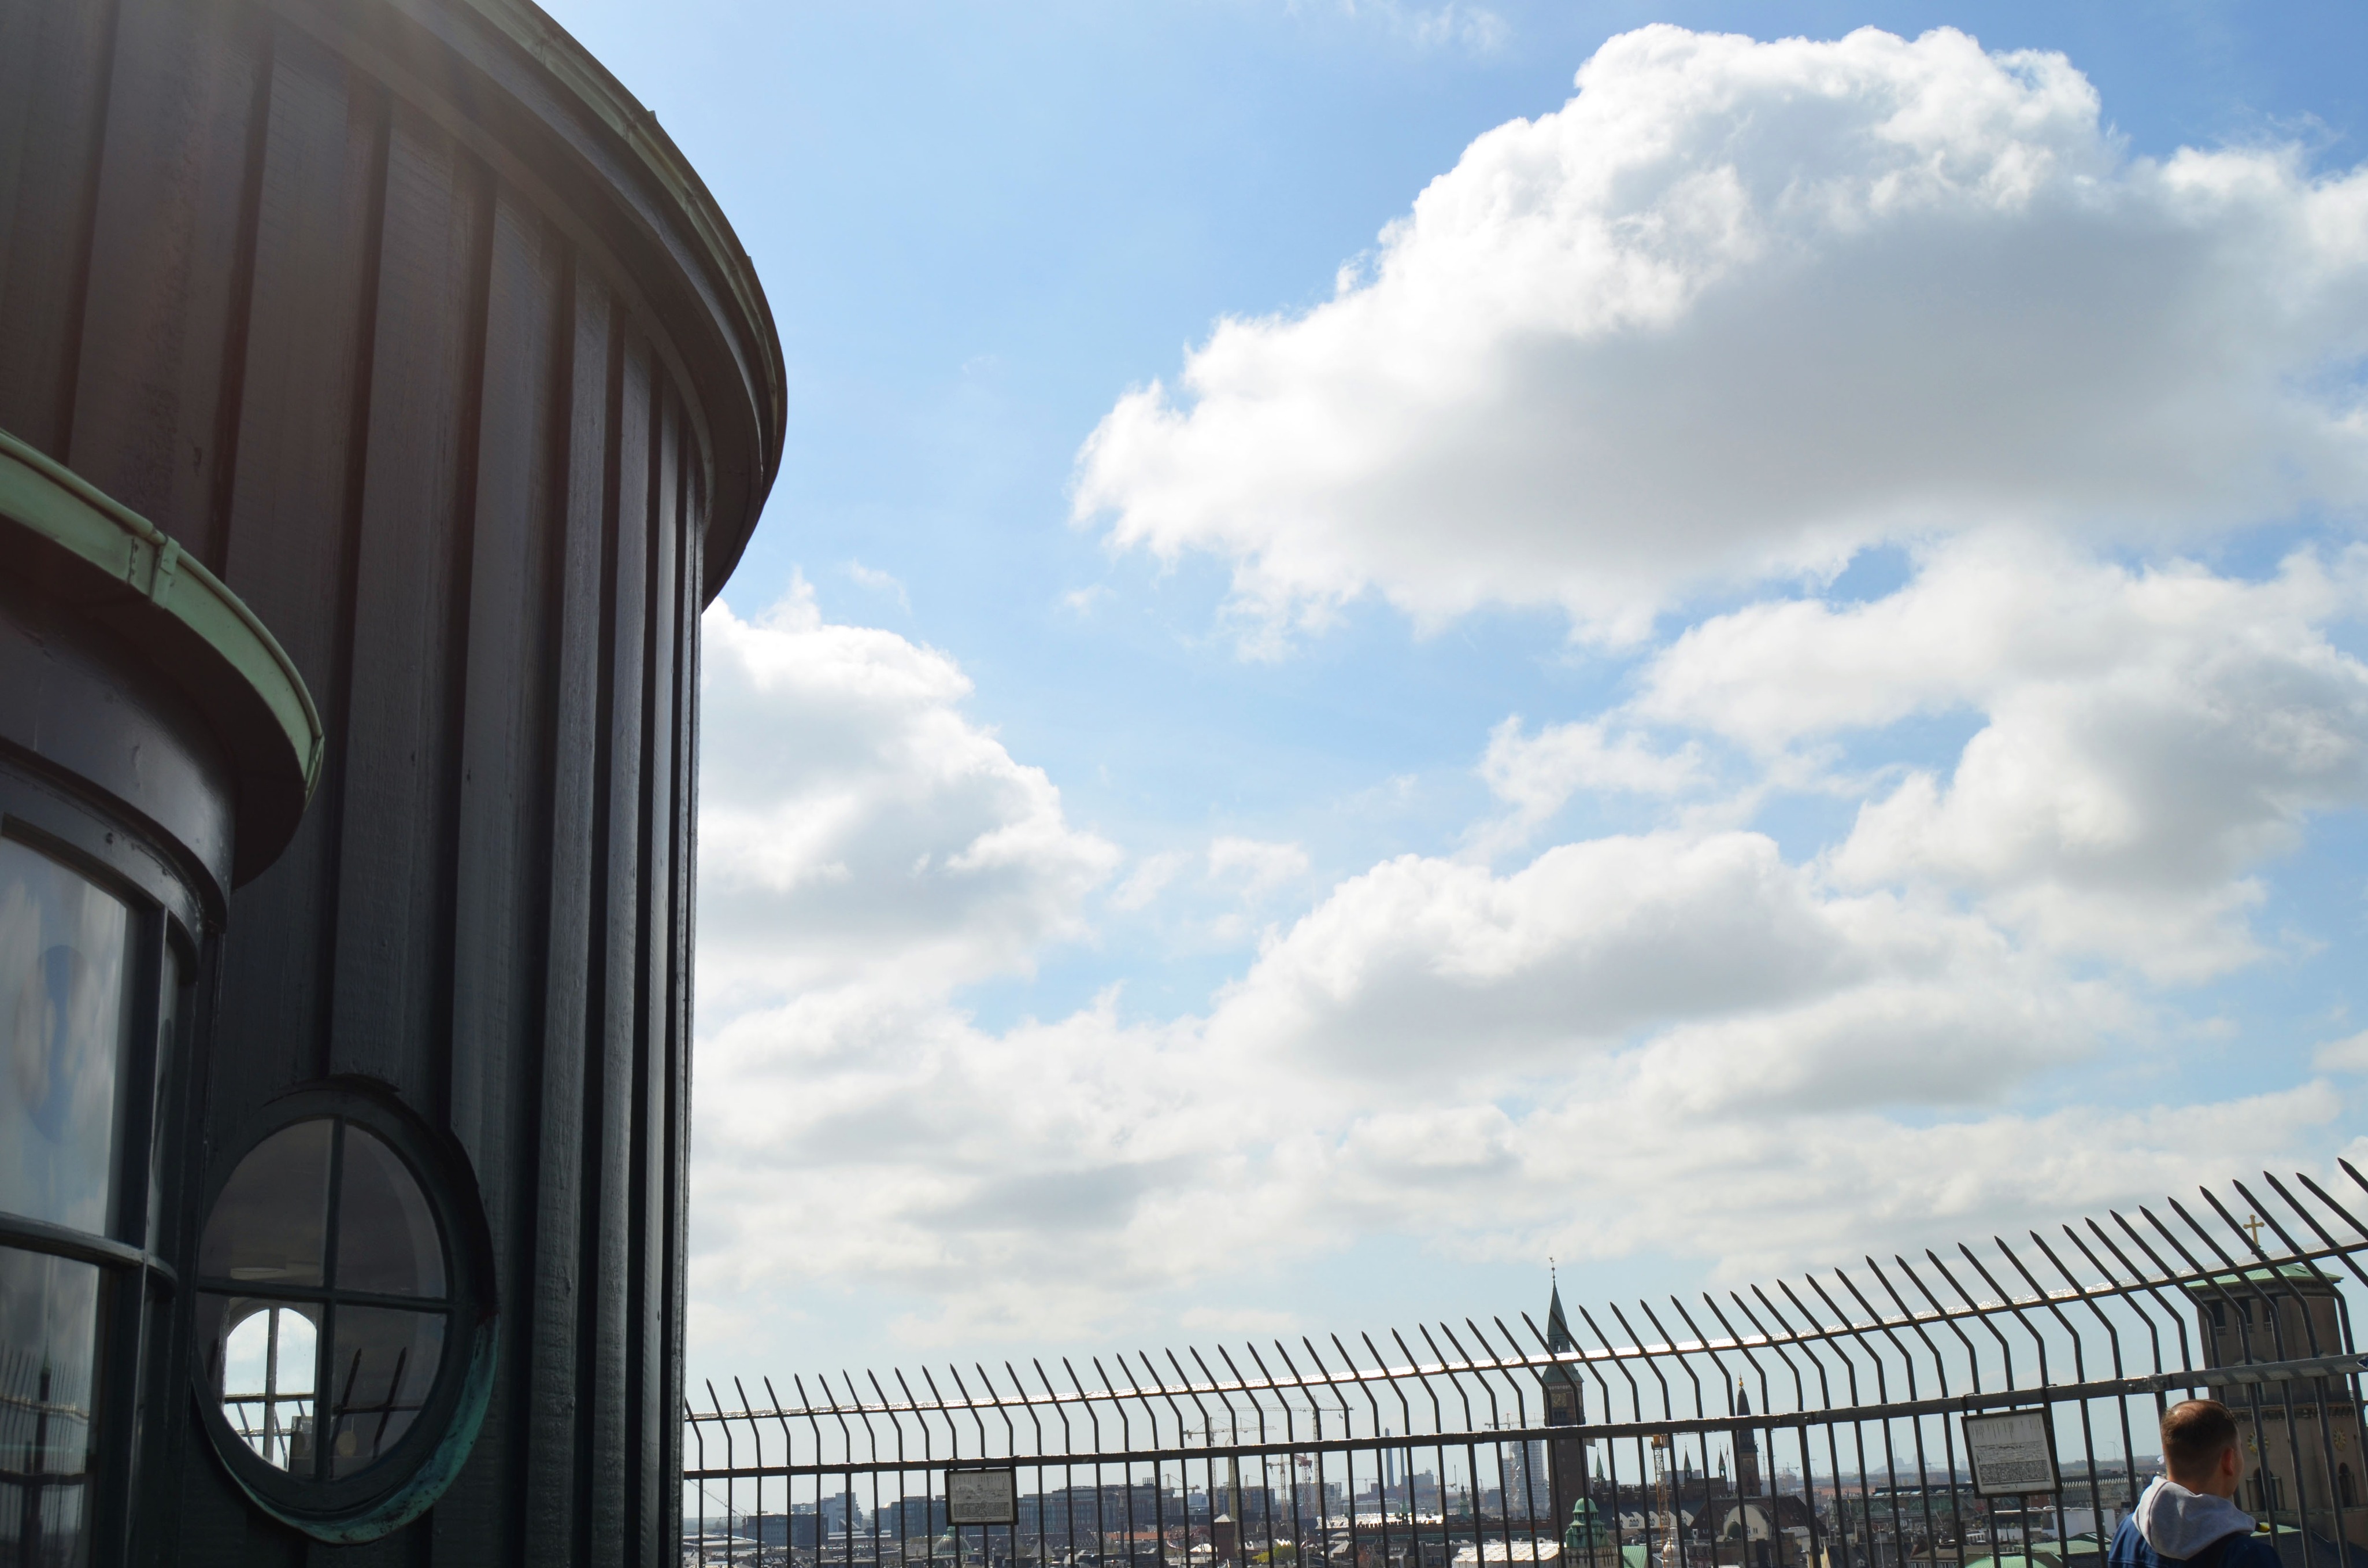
2199,1447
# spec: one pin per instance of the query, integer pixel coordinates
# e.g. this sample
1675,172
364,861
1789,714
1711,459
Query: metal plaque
2013,1453
983,1496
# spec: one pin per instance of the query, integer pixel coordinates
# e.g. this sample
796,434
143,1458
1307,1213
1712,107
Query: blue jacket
2173,1527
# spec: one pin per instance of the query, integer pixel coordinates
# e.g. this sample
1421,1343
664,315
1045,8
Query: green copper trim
62,507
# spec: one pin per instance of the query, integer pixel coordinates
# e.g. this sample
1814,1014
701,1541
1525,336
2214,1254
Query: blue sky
1136,920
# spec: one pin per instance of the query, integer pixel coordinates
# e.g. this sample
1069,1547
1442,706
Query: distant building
1526,1478
839,1514
2288,1314
1746,1446
1082,1516
914,1518
1565,1405
1759,1532
806,1525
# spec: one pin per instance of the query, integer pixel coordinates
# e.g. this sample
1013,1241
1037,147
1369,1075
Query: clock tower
1566,1402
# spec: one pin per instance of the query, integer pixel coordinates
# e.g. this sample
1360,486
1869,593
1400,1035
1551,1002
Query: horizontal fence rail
1860,1418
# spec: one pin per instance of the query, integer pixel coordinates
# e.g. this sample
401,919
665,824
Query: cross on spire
2252,1227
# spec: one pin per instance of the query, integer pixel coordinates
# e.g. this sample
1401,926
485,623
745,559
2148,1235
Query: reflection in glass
386,1237
311,1379
168,1018
264,1363
49,1339
379,1371
268,1223
64,1012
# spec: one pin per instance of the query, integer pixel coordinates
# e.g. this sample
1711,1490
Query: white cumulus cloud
2348,1054
2151,736
1536,775
1740,308
855,824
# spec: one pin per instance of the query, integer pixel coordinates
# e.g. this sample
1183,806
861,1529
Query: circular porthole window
344,1325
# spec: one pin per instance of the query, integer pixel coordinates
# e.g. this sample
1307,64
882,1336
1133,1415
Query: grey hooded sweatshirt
2173,1525
2178,1523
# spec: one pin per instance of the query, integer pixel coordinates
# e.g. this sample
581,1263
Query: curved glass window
323,1304
65,1002
67,1018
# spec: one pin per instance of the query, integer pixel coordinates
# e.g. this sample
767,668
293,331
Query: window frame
389,1494
53,817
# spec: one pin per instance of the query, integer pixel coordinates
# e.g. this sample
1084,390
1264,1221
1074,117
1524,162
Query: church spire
1747,1445
1565,1404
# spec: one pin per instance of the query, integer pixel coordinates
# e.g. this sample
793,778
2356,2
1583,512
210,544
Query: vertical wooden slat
498,928
690,592
55,81
289,552
304,396
394,857
168,262
548,1504
646,1369
610,1110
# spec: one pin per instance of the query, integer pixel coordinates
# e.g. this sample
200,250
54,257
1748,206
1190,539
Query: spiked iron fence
1816,1423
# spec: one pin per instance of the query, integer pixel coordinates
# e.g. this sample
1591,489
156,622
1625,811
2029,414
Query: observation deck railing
1807,1423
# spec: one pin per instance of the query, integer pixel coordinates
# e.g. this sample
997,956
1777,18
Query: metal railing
1810,1422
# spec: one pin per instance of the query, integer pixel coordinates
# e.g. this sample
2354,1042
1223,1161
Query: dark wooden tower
407,322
